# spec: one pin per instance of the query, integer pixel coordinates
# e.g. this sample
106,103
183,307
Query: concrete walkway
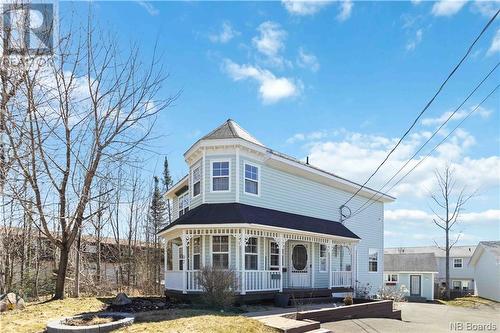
423,317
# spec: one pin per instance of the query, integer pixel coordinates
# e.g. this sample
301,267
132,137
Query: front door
415,287
300,276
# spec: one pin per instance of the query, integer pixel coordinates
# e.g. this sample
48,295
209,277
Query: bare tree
450,203
90,106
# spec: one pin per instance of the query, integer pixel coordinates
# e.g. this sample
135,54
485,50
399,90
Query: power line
432,136
426,106
433,149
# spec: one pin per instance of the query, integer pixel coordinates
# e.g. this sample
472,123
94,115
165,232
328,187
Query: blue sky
339,82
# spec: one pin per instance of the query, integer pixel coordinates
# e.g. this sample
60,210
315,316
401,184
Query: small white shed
486,263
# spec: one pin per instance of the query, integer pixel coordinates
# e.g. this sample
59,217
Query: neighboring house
461,274
412,272
486,264
271,218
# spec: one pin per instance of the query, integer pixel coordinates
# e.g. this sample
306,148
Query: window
183,204
274,260
220,176
336,251
391,278
457,285
251,255
322,257
196,261
251,179
196,181
372,260
457,262
220,252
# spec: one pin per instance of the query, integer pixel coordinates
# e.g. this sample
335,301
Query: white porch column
185,241
330,264
281,241
313,264
242,251
353,260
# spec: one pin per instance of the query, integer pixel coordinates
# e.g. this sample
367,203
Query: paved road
423,318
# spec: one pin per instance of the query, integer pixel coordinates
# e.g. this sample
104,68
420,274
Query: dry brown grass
34,318
471,302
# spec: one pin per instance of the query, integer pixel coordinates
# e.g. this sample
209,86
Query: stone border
58,326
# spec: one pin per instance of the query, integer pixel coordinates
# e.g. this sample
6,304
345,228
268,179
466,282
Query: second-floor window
457,263
196,181
220,176
183,204
251,179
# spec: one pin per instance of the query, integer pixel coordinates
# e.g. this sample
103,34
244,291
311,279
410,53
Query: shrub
348,300
393,293
218,286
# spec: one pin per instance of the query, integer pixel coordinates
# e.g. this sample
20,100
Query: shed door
415,287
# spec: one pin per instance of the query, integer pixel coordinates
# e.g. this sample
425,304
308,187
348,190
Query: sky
339,82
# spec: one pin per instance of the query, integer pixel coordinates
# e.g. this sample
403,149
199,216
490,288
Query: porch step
287,325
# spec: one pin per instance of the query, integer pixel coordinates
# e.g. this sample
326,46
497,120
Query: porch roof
230,213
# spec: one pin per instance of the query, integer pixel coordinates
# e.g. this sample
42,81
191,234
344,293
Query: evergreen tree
156,220
167,183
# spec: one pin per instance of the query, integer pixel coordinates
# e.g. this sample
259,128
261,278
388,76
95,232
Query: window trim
461,263
453,286
377,261
252,254
192,253
196,166
181,196
228,250
325,258
273,267
388,277
259,188
212,175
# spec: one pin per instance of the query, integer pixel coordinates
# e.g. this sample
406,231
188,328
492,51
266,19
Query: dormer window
220,176
196,180
183,203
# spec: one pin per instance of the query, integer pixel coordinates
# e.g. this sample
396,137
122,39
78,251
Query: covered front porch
264,259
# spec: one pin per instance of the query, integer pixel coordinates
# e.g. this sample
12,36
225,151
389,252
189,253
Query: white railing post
185,241
242,251
330,264
281,241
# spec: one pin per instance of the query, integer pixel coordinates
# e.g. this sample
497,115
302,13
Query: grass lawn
471,302
34,318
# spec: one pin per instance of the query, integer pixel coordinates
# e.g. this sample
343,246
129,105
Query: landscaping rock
121,299
3,306
20,304
11,298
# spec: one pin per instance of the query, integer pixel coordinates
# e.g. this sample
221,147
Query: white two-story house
272,219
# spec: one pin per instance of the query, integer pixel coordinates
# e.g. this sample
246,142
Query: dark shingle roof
231,130
224,213
410,262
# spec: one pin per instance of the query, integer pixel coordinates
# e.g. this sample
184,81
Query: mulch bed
144,304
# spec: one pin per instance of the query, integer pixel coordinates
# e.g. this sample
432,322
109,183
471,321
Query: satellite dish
345,212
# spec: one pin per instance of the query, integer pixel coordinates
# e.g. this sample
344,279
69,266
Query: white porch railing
262,280
173,280
341,279
193,280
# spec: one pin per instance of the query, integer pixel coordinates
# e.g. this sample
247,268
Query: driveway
424,318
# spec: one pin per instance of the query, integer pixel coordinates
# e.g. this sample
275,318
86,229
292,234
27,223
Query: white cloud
271,41
304,7
495,44
447,7
412,44
402,215
345,10
225,35
486,8
307,60
416,2
312,136
271,88
355,156
459,115
148,6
